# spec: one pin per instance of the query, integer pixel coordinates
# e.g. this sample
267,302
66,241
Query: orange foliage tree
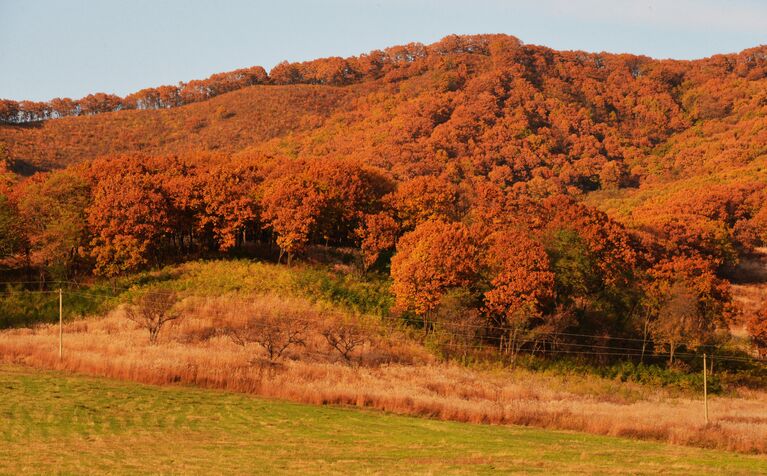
521,283
290,207
426,198
379,233
433,258
129,219
687,302
327,202
12,237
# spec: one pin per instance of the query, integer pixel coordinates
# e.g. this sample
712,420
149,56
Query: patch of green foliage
367,294
652,374
24,307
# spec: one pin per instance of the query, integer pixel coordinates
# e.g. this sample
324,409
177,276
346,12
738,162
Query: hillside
544,198
487,98
226,123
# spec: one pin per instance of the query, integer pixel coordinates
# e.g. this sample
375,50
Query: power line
604,349
483,327
33,282
30,291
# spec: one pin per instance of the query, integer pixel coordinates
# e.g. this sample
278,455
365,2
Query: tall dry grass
391,373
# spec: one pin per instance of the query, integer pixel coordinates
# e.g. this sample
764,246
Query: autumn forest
541,198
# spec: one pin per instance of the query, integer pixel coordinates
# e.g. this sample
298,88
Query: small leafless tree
273,332
344,337
152,311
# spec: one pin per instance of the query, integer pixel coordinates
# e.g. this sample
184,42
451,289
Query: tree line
462,250
332,71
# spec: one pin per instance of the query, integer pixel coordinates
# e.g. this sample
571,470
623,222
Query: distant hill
595,120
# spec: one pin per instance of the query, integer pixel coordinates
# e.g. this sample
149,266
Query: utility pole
705,388
61,324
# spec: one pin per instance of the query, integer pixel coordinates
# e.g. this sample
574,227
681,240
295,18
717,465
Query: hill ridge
331,70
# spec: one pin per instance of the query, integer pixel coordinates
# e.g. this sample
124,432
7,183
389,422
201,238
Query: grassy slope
229,122
333,289
54,422
337,289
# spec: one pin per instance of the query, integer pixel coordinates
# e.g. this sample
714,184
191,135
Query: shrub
153,310
274,331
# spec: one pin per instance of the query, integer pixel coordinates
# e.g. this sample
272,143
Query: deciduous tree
521,283
153,310
129,217
432,259
54,207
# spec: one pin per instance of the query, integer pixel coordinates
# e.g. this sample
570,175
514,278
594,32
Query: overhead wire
566,347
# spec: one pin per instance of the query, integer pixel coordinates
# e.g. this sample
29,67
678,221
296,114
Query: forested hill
595,120
479,145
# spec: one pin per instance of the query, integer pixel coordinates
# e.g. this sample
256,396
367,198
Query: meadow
392,369
62,423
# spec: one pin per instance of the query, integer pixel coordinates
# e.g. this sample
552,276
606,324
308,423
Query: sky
71,48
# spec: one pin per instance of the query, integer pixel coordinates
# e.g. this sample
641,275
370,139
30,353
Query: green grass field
57,423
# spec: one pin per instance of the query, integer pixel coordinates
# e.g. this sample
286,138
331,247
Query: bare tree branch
344,337
274,333
152,311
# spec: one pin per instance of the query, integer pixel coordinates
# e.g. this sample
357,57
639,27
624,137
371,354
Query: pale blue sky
70,48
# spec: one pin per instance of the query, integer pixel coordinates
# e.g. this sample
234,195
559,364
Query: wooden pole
705,388
61,324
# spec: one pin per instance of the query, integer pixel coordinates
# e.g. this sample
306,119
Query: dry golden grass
391,373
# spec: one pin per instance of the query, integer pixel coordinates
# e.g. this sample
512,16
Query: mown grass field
53,422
